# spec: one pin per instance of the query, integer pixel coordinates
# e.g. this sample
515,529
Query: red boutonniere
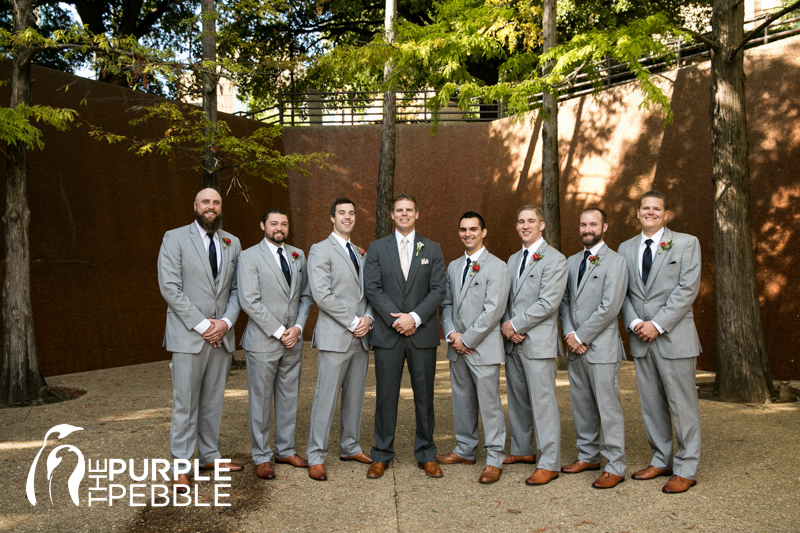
475,269
362,251
594,260
536,257
295,255
665,246
225,242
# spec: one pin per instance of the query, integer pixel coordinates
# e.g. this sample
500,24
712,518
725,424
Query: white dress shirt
410,249
654,249
205,324
274,250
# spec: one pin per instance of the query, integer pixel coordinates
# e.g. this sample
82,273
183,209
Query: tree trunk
550,167
209,41
20,376
742,366
383,220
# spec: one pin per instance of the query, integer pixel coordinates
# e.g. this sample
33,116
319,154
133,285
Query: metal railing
363,107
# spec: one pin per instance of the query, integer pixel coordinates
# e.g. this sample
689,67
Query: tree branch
702,38
769,20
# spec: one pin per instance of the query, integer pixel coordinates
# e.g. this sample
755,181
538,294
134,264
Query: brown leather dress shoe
579,466
652,472
181,485
361,457
375,470
294,460
232,467
541,477
608,481
431,469
527,459
265,471
677,484
490,474
317,472
453,459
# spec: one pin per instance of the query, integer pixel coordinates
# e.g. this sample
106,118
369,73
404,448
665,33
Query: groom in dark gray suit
197,278
663,282
404,279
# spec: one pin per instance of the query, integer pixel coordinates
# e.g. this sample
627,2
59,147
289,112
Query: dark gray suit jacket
389,293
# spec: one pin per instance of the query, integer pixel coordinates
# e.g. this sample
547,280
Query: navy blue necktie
523,263
647,260
353,258
285,267
582,268
212,254
466,269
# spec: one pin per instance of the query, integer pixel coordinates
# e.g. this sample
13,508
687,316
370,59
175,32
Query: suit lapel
659,259
197,240
470,279
529,267
415,261
391,242
223,264
272,264
633,259
294,269
590,268
343,254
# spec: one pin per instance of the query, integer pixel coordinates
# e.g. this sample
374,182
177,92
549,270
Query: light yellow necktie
404,262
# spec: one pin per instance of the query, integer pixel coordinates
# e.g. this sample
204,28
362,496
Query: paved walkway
749,473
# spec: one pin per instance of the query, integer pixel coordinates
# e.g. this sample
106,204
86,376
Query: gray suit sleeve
306,301
250,295
321,284
233,307
554,282
628,312
170,282
427,307
615,287
566,321
682,297
497,288
447,307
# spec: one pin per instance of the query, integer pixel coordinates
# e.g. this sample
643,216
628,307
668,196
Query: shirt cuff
202,326
417,320
635,322
447,337
576,338
354,324
299,326
227,321
279,332
659,328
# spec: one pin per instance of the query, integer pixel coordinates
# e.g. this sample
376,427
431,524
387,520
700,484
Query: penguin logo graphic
53,460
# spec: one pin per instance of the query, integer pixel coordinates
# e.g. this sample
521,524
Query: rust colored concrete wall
610,152
98,214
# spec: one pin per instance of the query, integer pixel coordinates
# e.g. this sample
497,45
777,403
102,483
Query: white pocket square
424,261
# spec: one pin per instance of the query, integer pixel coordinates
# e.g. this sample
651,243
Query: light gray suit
531,365
338,290
590,310
199,370
474,310
665,368
272,369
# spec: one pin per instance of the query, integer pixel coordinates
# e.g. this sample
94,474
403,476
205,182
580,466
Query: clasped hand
215,332
574,346
508,332
404,324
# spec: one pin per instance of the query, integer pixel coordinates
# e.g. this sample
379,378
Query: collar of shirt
399,236
341,241
474,257
533,247
274,250
656,240
597,247
204,235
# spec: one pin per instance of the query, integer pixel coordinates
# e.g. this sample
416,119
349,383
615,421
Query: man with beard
598,280
197,278
273,290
